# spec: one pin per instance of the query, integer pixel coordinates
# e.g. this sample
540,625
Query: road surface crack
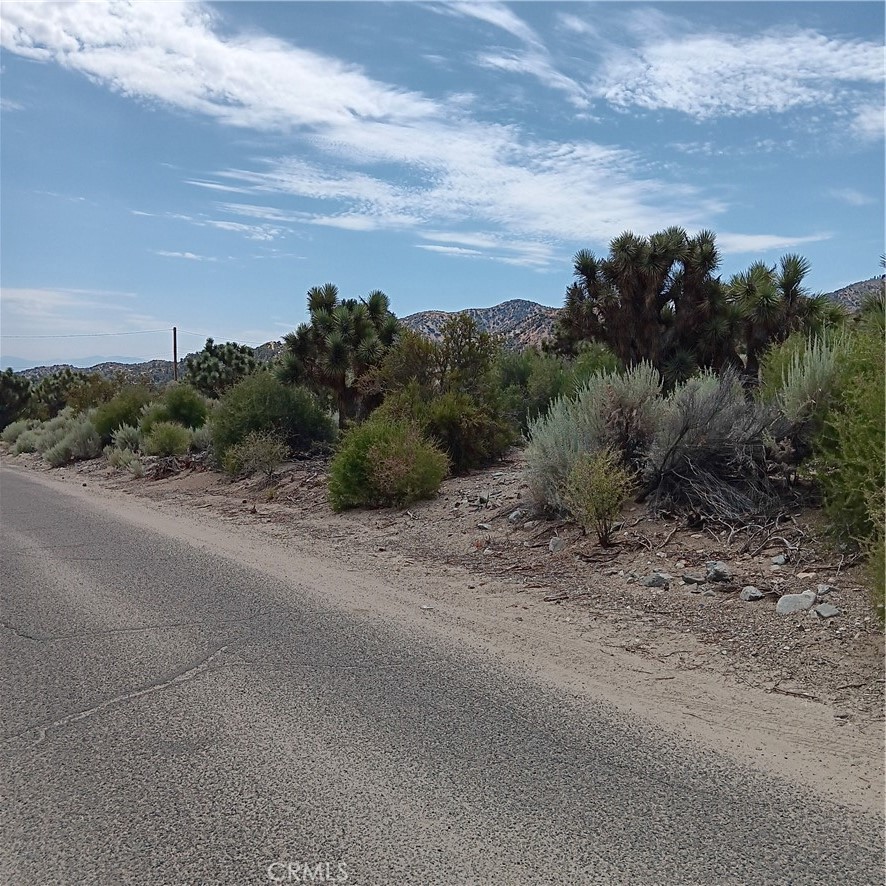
136,629
183,676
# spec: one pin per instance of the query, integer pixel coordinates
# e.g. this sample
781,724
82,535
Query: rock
657,580
693,579
485,496
827,610
823,590
718,571
518,516
557,543
780,560
792,603
750,593
805,575
708,594
485,526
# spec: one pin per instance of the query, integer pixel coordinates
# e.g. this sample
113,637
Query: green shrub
383,463
851,445
471,432
12,432
152,414
121,458
127,437
26,441
260,402
167,438
257,453
53,431
185,406
75,439
84,440
59,454
596,490
593,358
124,408
201,439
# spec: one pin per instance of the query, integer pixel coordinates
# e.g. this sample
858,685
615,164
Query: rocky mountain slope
519,322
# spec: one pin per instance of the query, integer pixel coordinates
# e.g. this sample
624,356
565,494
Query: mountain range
519,323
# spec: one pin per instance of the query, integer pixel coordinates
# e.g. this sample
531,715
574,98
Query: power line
92,334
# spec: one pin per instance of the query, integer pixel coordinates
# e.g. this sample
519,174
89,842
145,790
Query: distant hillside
519,322
852,295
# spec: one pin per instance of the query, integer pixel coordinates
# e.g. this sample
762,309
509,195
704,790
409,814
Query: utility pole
174,353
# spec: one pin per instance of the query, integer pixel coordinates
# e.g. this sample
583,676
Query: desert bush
597,487
73,440
124,408
260,402
572,426
593,358
609,411
257,453
26,441
384,462
54,430
52,393
167,438
185,406
127,437
850,448
811,382
471,432
632,408
12,432
201,439
121,458
92,391
708,452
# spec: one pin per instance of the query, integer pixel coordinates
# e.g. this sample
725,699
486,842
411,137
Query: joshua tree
217,367
343,341
656,299
773,302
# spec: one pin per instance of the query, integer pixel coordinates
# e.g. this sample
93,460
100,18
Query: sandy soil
798,696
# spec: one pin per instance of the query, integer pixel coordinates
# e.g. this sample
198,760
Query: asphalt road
172,718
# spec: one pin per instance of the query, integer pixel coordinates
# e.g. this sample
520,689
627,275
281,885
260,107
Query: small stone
557,543
718,571
750,593
708,594
793,603
518,516
805,575
827,610
485,496
693,579
780,560
657,580
485,526
823,590
530,524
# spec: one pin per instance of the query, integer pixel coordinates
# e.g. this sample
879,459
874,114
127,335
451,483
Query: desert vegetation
664,384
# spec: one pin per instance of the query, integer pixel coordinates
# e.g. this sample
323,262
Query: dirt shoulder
799,696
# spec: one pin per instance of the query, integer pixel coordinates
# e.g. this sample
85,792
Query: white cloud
869,123
852,196
449,250
732,244
496,14
7,104
190,256
538,65
715,74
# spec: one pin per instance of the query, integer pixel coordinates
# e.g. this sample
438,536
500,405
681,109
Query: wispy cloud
734,244
7,104
712,74
852,196
190,256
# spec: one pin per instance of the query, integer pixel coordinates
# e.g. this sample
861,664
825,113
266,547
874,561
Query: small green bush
260,402
185,406
74,440
121,458
12,432
26,442
596,490
258,453
59,454
127,437
201,439
53,431
382,463
167,438
124,408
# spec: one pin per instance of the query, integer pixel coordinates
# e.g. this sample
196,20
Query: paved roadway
170,718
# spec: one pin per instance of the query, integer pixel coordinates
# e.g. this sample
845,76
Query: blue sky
203,165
